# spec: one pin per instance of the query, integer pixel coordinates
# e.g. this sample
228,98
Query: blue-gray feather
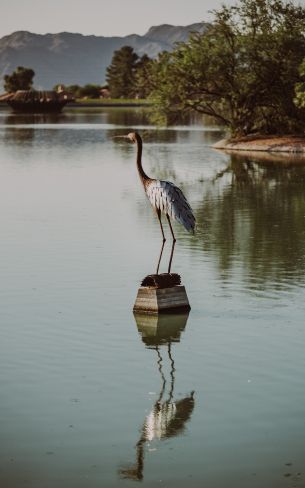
169,199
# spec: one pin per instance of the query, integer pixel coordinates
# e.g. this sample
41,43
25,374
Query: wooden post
161,294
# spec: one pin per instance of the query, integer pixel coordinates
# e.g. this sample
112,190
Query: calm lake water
92,396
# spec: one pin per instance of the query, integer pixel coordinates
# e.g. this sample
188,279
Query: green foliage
20,79
121,73
73,89
300,88
128,76
143,86
90,91
242,71
87,91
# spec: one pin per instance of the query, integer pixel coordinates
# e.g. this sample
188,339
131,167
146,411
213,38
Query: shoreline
111,103
98,104
266,144
105,105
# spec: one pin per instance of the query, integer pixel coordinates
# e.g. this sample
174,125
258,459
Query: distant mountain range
74,58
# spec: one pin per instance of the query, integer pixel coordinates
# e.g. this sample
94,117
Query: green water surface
92,396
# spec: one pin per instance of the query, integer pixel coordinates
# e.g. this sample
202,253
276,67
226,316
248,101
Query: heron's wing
168,198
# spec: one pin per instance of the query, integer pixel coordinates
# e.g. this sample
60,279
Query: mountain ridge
74,58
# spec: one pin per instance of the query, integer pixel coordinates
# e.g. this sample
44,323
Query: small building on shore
36,101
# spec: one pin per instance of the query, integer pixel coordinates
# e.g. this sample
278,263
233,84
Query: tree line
247,71
126,78
22,79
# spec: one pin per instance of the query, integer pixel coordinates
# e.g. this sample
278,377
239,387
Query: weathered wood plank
156,300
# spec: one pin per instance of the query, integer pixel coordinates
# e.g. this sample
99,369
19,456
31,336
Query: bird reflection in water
168,416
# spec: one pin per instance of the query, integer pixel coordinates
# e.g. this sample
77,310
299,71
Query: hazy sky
100,17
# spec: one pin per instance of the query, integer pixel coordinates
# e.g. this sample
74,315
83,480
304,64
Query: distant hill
74,58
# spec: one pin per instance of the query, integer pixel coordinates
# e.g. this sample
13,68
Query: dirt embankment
284,144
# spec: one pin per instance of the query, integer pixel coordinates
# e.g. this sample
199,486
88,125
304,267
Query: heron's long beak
120,137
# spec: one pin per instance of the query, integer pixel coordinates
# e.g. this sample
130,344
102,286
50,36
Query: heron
164,196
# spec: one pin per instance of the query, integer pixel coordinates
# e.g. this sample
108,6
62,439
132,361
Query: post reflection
168,417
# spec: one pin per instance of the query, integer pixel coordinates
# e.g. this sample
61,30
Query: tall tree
20,79
143,80
121,73
242,71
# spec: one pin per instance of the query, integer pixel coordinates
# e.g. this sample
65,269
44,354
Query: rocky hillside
74,58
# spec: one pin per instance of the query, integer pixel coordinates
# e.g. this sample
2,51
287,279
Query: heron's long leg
173,246
171,257
162,247
172,373
170,226
159,362
159,217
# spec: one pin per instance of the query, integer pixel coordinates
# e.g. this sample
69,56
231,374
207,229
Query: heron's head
131,137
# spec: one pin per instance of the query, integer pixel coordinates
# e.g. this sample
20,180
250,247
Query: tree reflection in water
253,212
168,416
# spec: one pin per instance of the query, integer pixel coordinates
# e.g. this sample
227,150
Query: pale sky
100,17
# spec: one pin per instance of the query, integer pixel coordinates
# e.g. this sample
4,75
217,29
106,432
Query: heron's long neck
141,172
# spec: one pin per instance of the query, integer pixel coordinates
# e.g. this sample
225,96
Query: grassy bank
110,102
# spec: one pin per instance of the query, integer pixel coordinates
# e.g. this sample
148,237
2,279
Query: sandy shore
277,144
